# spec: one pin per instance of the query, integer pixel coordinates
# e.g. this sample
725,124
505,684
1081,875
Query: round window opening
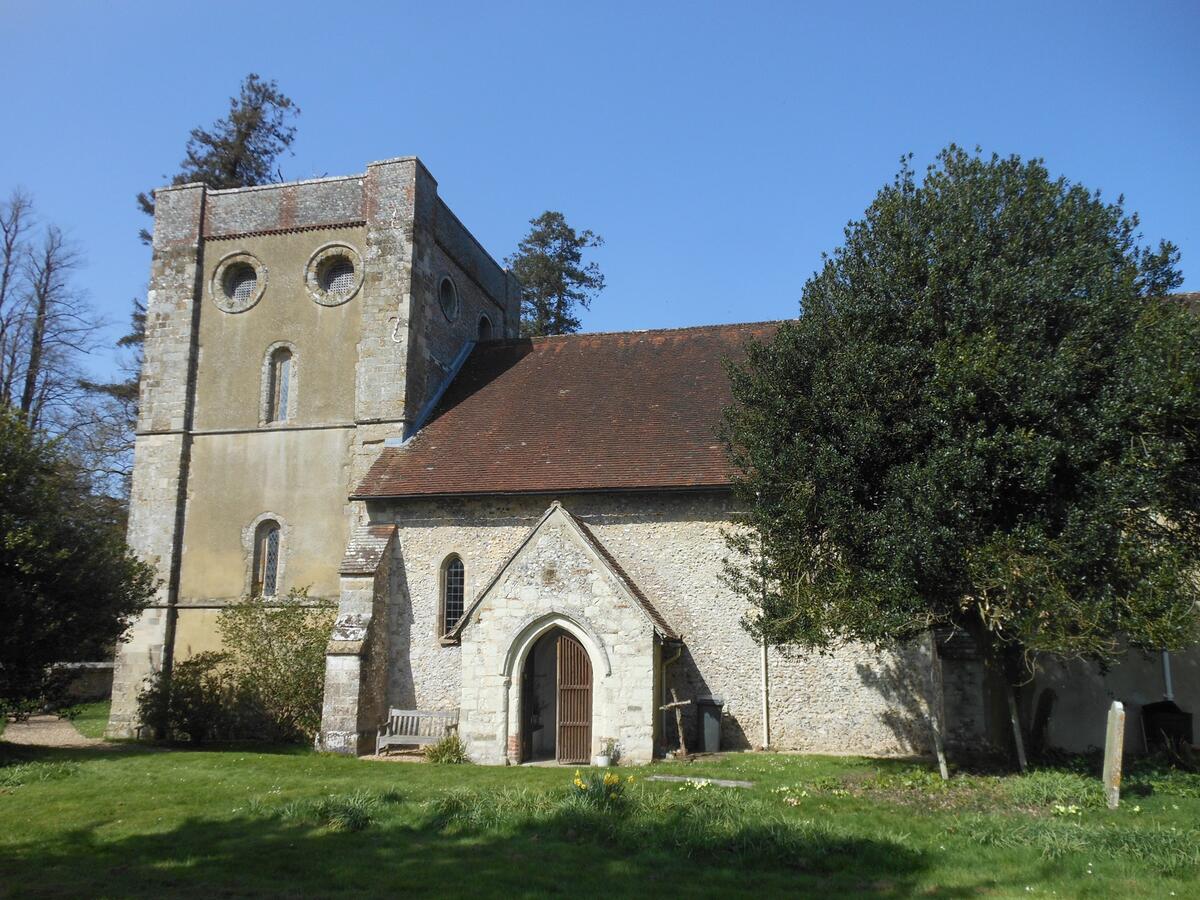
240,282
334,274
448,298
337,277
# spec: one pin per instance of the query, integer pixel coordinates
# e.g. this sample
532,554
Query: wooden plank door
574,743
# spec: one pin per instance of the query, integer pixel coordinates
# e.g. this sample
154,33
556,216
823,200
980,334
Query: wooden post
678,705
1114,752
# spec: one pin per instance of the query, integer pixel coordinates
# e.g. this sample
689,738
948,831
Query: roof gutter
551,492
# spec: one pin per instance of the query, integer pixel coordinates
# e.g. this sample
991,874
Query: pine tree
243,148
549,265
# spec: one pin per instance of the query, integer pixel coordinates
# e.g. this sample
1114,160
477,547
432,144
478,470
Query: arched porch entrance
556,700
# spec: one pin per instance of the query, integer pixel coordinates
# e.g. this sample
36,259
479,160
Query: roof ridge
547,338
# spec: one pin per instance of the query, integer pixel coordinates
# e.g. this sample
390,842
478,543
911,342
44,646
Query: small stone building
528,531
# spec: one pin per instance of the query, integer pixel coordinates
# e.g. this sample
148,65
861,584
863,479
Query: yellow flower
630,779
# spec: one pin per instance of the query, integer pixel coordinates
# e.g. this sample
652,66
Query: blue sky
718,147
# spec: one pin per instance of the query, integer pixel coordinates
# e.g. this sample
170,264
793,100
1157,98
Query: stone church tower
291,330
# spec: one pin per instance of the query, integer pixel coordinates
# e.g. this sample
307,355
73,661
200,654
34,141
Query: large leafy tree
68,584
556,280
985,417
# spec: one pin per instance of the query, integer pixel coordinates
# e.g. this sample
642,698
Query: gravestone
1114,750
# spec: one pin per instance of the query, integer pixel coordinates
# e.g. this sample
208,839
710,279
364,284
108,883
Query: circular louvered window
334,274
448,297
338,277
238,282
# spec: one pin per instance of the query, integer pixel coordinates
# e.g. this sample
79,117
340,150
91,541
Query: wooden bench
414,728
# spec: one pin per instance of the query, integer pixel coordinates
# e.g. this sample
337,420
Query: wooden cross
677,706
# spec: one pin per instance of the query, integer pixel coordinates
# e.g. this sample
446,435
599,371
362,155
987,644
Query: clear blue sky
718,147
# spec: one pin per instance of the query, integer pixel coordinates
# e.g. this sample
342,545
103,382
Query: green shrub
450,750
198,703
277,659
267,684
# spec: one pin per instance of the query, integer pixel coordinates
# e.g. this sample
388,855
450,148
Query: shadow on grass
410,852
21,753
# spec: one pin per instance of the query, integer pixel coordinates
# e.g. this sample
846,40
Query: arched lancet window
279,383
453,592
266,559
485,328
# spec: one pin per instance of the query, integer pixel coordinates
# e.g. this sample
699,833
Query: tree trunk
1003,668
937,707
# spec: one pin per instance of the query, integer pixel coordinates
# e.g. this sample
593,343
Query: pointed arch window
453,592
485,328
279,384
266,559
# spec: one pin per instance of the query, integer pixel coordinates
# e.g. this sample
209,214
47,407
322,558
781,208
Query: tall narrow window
280,383
266,559
453,584
485,328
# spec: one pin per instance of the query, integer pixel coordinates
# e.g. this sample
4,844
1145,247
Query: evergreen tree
549,264
68,584
243,148
985,417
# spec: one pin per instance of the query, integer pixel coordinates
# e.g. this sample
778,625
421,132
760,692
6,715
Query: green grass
132,821
90,719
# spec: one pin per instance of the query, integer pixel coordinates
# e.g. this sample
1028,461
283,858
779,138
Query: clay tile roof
621,411
365,549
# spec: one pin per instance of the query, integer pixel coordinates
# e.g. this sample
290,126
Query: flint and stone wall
671,546
558,581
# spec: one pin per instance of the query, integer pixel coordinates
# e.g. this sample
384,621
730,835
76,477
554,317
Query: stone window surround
216,285
264,392
479,328
316,264
441,603
248,534
457,312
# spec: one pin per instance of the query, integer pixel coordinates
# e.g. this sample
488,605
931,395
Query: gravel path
48,731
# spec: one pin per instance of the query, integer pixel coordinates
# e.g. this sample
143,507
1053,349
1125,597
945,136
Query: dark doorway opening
556,700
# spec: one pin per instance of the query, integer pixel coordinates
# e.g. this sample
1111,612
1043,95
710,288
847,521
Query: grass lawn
90,719
134,821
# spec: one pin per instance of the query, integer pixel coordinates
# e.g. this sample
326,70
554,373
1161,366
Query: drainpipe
766,687
766,701
1168,687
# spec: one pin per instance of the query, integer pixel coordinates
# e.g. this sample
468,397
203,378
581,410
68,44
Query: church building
529,533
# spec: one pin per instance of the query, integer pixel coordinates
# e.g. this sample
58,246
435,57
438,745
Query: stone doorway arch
535,649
